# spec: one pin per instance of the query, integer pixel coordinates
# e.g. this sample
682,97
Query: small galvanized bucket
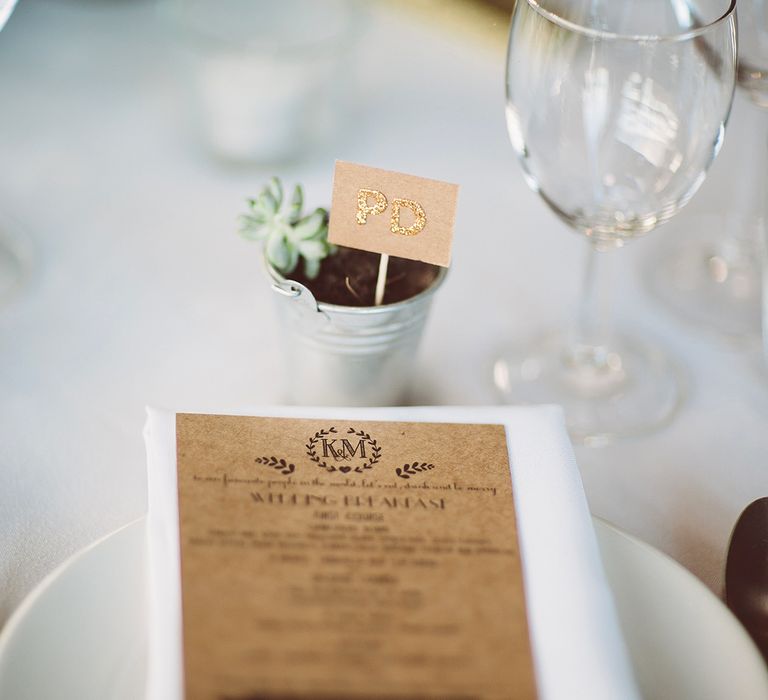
348,355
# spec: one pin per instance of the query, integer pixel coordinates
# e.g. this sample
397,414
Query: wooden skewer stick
381,280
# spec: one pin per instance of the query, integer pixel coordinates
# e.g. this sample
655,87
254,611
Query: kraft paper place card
392,213
349,560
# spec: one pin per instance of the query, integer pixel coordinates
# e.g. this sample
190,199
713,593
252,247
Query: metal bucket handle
295,290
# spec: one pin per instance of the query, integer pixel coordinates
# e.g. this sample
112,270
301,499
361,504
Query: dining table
140,292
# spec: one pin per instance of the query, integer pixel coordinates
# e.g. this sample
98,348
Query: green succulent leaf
313,250
297,202
293,260
311,268
275,188
277,251
312,226
252,227
266,204
287,235
256,210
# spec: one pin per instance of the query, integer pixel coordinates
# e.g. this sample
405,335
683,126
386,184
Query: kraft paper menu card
577,646
342,559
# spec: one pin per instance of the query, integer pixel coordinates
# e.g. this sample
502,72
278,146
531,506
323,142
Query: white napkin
577,646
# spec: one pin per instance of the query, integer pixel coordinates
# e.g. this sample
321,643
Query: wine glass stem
760,222
591,332
740,240
756,227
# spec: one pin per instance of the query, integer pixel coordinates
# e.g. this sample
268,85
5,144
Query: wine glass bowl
615,111
616,131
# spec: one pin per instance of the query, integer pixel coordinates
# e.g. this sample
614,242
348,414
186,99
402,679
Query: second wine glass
615,110
710,272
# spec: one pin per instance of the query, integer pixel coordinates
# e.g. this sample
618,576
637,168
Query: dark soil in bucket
348,278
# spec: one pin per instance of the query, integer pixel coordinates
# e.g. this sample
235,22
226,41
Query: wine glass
710,272
753,78
14,248
615,110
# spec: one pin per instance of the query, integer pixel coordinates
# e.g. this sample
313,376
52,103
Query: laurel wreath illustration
320,434
277,464
409,470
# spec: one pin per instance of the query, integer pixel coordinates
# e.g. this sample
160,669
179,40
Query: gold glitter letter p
364,209
418,212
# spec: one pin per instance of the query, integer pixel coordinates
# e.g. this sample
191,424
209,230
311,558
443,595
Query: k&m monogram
357,452
345,451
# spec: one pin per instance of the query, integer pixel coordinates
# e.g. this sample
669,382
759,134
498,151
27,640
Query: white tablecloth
143,294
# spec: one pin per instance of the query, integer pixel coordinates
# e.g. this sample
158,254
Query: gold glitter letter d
364,209
416,226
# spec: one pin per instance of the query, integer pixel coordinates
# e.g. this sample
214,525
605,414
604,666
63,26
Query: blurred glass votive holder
265,78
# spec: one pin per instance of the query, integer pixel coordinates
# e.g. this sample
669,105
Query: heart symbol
344,470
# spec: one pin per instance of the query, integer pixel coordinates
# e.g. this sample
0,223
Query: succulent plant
287,235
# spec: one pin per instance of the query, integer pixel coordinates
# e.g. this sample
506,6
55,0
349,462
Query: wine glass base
631,389
709,280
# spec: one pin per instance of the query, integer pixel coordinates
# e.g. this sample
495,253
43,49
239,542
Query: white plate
81,634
